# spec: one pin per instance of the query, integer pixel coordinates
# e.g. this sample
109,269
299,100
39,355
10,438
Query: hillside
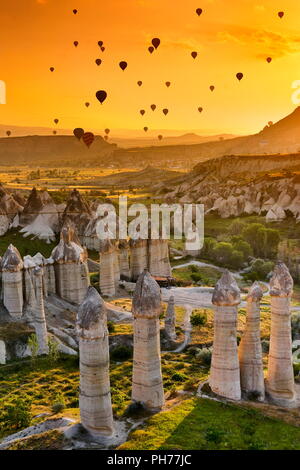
43,150
137,179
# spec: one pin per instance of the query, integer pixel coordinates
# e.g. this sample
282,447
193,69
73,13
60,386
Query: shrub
265,344
18,414
53,351
59,404
121,353
178,377
198,318
111,327
204,356
34,347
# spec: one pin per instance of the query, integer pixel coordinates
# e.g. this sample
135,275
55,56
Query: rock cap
226,292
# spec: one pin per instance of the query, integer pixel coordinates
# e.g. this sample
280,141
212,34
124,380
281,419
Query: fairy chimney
138,257
107,268
124,260
280,377
250,350
147,385
94,396
170,319
71,270
39,319
225,369
12,281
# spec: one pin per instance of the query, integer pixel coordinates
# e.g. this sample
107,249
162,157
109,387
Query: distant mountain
52,150
185,139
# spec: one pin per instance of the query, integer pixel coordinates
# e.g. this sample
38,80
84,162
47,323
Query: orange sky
230,36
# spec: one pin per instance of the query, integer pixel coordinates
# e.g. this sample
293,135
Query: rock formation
71,270
94,399
78,211
39,320
250,350
124,260
280,378
12,282
158,258
225,370
170,319
107,268
138,257
147,385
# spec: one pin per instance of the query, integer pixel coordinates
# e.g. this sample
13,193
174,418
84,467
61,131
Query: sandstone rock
170,319
225,370
280,378
138,257
95,399
39,319
71,270
12,282
2,352
107,268
250,350
78,211
147,385
124,260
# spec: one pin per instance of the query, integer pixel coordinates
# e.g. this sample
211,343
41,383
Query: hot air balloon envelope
155,42
199,11
123,65
168,84
200,110
239,76
78,132
194,54
281,14
101,96
150,49
165,111
153,107
88,138
211,88
100,43
269,59
98,61
140,83
142,111
145,129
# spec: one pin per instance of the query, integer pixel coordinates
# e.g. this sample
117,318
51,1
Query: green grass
200,424
26,246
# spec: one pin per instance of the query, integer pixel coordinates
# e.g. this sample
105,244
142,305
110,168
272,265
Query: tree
34,347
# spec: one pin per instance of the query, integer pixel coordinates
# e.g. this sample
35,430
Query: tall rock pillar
39,318
280,378
250,350
107,268
170,319
147,385
138,258
225,370
12,281
94,399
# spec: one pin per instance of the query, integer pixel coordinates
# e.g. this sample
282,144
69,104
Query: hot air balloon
168,84
281,14
160,137
140,83
52,69
107,131
8,133
76,43
142,111
211,88
78,132
98,61
100,43
153,107
87,104
150,49
200,110
123,65
54,132
101,96
145,129
269,59
165,111
194,54
88,138
56,121
199,11
102,48
75,11
239,76
155,42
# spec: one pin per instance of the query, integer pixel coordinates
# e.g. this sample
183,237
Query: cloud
260,41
